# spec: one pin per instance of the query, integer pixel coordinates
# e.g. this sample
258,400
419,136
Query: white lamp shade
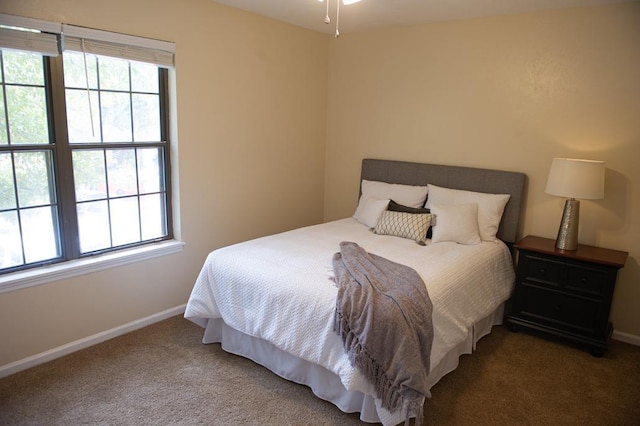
581,179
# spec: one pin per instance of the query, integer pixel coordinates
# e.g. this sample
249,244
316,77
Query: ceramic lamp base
568,232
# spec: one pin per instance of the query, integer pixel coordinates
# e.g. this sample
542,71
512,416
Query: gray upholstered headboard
468,178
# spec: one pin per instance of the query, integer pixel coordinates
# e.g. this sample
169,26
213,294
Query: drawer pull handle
543,271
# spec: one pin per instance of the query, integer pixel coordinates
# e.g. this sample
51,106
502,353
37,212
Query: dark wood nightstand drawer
587,281
554,308
543,270
572,277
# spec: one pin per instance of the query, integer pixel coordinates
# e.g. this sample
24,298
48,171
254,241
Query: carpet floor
163,375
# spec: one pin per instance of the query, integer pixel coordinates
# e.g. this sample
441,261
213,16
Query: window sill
61,271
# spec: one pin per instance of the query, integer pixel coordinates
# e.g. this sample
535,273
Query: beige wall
251,98
510,93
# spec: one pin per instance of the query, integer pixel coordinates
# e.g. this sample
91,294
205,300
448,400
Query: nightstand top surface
585,253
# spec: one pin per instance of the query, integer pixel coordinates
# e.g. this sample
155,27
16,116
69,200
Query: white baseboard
626,337
60,351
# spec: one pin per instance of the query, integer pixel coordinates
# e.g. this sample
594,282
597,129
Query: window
28,206
84,150
115,133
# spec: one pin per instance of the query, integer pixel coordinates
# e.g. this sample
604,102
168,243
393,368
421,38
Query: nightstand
565,293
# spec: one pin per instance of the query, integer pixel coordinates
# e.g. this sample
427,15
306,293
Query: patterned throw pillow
400,208
405,225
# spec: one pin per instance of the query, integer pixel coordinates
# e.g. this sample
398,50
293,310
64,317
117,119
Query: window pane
10,244
152,217
27,114
4,139
114,74
39,233
146,118
23,67
125,222
89,175
74,70
121,172
150,175
144,77
116,117
81,128
34,178
93,224
7,188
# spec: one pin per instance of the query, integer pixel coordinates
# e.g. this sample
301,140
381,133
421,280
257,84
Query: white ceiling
373,14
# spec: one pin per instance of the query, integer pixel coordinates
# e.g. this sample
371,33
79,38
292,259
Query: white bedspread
278,288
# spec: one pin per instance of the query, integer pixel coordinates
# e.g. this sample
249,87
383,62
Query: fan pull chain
327,20
337,17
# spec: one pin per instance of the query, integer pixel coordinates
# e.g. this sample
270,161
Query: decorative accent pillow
369,210
405,225
408,195
456,223
393,206
490,206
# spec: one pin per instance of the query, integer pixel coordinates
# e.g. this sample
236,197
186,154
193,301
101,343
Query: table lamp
575,179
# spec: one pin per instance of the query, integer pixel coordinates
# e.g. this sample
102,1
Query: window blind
116,45
29,34
50,38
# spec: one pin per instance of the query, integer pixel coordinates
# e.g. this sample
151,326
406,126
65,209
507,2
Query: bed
273,300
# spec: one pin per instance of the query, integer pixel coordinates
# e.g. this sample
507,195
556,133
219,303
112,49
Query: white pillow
457,223
490,206
407,195
369,210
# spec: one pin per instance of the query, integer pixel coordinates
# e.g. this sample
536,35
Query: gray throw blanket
383,314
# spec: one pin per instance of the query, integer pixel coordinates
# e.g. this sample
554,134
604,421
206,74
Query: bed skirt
325,384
